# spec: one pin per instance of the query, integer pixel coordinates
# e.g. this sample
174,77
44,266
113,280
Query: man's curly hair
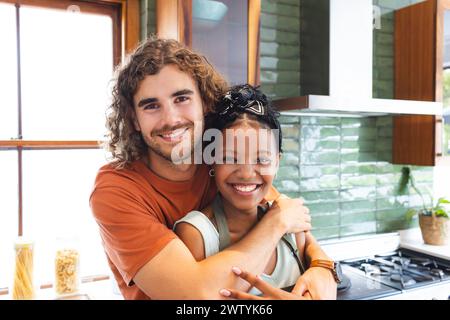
123,141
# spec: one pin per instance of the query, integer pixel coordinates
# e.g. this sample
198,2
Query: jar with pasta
67,268
23,288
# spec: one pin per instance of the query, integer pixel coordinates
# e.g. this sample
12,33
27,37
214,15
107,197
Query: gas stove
377,267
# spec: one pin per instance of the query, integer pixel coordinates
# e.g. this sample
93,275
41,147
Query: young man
160,96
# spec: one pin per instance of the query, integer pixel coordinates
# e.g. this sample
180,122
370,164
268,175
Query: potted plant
434,220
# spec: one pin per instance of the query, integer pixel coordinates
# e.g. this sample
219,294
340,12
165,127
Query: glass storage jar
23,288
67,267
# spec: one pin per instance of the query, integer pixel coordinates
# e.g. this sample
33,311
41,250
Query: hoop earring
212,173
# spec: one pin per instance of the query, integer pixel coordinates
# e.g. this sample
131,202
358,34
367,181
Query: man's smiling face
167,105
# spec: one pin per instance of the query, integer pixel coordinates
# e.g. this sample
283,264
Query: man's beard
167,155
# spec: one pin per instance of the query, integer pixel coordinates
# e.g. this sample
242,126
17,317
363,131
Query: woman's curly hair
123,141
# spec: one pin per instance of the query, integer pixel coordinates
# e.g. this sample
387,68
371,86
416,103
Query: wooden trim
185,22
293,103
130,24
167,19
254,12
174,20
49,144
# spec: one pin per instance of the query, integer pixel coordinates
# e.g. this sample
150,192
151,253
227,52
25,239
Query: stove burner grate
403,279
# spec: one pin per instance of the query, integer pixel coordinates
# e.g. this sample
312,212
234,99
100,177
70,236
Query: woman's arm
192,238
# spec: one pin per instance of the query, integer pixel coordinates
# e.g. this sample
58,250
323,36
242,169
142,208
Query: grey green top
286,270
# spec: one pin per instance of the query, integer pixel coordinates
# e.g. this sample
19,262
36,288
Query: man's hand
317,282
269,292
291,214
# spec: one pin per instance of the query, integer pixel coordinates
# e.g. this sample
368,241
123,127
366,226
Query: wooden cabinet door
419,50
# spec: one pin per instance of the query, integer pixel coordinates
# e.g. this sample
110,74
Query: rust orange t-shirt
136,209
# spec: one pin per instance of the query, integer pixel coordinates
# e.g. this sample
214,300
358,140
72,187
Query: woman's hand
269,292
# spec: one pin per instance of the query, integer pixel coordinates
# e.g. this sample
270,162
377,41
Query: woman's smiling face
250,160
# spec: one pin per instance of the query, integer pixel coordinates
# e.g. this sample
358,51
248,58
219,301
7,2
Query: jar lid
22,242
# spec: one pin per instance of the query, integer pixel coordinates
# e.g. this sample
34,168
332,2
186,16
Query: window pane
8,72
67,63
225,20
56,189
8,214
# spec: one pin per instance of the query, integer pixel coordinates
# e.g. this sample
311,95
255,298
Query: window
57,60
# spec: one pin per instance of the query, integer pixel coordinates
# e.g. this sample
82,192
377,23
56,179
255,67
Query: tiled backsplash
340,166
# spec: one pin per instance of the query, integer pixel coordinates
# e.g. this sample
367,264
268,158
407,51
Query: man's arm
318,282
175,274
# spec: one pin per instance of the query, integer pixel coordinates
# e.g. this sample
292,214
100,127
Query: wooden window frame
126,28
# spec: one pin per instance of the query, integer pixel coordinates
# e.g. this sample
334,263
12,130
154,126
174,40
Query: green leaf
410,214
443,201
404,180
440,212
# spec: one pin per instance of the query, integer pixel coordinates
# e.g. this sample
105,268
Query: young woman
246,161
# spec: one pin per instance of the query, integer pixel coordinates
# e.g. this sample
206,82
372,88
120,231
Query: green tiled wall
383,53
148,17
340,166
280,48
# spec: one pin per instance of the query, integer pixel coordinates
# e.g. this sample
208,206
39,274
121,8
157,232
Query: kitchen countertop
412,239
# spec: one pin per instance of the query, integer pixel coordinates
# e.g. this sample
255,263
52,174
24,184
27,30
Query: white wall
441,182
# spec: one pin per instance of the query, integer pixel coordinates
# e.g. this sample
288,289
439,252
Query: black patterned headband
243,99
233,105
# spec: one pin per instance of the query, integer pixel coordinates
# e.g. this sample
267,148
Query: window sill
95,290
